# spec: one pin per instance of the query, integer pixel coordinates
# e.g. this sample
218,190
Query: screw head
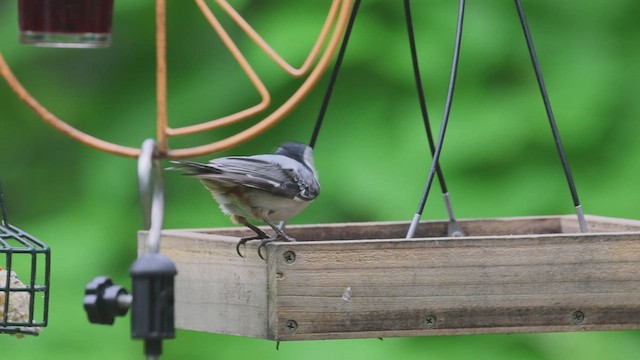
430,321
291,326
289,257
577,317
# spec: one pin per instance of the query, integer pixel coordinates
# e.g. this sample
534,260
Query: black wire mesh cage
25,264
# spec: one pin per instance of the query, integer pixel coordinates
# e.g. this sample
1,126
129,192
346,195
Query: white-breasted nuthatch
270,187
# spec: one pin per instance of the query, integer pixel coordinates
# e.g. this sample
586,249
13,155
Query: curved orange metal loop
253,35
286,107
231,46
244,64
163,130
54,121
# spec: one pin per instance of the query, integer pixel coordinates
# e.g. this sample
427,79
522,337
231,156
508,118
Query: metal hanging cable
443,127
332,82
334,74
453,228
552,121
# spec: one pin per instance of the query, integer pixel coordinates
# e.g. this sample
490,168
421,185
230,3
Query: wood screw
430,322
577,317
289,257
291,326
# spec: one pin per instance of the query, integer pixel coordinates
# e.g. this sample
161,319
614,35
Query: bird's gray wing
300,178
272,173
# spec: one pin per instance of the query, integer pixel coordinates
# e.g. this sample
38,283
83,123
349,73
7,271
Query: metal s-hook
151,187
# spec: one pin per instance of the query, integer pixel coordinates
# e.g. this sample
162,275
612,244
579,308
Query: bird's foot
273,238
244,241
264,240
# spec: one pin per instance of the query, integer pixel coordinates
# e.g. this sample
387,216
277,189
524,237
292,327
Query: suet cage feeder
25,264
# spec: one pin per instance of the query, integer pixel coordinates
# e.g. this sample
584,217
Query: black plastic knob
103,301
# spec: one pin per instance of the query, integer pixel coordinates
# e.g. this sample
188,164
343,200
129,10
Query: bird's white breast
260,205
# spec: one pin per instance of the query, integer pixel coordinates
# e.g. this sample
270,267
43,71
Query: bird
271,188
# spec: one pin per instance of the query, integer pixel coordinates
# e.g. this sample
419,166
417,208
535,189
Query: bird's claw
263,242
244,241
275,237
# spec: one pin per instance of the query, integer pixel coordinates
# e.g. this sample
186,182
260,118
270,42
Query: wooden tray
525,274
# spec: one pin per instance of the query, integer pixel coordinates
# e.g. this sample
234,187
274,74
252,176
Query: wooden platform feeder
356,280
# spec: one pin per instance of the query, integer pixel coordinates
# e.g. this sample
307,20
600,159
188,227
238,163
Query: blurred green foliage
499,157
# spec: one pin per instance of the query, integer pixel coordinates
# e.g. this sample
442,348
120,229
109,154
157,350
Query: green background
499,157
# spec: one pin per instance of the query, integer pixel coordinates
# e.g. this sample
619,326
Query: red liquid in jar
66,16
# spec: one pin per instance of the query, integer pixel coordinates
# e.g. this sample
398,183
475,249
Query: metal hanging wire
445,121
547,103
334,74
453,228
552,120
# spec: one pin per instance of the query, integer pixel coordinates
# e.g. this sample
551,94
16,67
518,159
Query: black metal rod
420,90
552,119
445,121
32,286
334,73
3,209
7,294
47,286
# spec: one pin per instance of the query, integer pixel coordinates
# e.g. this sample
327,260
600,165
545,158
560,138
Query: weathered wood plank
466,321
530,274
598,224
216,290
342,290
